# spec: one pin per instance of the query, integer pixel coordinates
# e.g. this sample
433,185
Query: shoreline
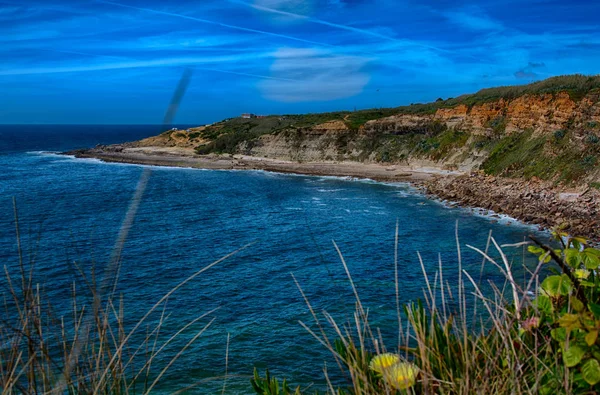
531,202
376,172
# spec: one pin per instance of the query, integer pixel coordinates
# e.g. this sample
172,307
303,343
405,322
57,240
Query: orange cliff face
541,113
545,113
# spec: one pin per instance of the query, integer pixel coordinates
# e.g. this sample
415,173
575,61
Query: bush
592,139
589,161
559,134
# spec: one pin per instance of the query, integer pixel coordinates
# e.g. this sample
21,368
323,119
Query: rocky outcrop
532,201
543,114
453,117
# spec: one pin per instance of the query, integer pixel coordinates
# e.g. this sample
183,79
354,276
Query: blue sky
84,61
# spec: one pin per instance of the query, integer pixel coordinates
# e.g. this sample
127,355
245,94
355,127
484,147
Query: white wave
489,215
46,153
329,190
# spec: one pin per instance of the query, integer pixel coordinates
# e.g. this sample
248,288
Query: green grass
515,155
527,156
440,145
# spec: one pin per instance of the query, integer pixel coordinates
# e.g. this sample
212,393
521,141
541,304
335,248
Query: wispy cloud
315,76
473,19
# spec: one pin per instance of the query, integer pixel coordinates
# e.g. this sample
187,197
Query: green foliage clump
592,139
270,385
559,134
569,309
498,125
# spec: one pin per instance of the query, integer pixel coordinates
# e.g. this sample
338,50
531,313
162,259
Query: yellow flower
582,274
381,362
402,375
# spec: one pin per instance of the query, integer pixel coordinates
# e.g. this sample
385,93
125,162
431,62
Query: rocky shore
531,201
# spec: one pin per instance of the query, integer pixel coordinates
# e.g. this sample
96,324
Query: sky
119,62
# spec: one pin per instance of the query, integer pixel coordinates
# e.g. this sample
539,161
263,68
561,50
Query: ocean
70,212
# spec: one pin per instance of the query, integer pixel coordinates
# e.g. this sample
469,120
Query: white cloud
312,75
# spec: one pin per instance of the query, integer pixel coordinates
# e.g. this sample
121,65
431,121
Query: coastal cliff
545,134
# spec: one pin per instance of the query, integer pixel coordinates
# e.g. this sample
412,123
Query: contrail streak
191,62
117,65
267,77
226,25
338,26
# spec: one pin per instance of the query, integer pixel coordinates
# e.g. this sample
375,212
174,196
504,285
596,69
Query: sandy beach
185,157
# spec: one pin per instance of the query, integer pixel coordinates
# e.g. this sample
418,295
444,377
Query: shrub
589,161
592,139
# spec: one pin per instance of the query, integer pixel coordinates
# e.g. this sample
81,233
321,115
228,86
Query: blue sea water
70,210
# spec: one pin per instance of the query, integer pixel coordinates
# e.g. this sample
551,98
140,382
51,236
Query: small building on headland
247,115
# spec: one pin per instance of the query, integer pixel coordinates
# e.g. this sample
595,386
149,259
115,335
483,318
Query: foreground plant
539,336
89,348
569,308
